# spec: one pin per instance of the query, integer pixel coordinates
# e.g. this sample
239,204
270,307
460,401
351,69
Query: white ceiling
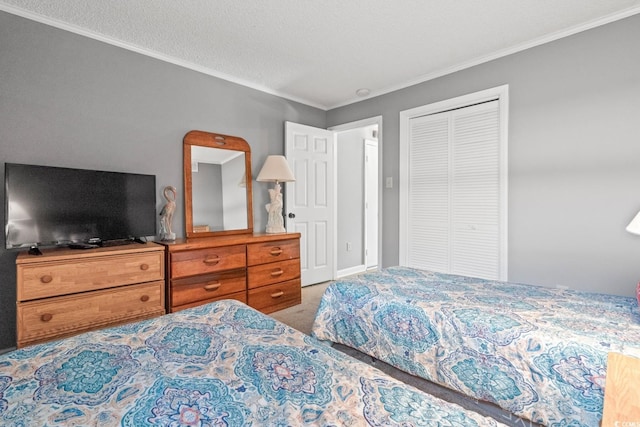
320,52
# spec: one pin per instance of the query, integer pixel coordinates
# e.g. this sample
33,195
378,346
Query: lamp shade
634,225
275,169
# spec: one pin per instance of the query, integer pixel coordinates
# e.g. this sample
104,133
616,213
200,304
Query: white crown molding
148,52
424,78
499,54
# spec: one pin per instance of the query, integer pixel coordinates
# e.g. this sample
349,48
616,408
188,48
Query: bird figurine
166,214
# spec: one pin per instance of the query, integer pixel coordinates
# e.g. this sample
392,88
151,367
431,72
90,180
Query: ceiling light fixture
363,92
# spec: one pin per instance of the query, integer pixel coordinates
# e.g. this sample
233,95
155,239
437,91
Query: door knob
292,215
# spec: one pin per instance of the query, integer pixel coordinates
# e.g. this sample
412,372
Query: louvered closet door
454,192
428,221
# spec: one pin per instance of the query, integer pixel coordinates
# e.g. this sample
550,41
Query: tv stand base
116,242
33,250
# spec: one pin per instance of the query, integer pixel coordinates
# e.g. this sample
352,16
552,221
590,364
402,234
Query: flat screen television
52,206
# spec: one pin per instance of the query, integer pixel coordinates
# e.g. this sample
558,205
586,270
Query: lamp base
275,230
275,224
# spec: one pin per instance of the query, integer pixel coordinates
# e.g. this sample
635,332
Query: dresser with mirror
221,257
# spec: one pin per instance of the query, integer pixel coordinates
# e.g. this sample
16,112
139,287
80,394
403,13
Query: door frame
377,120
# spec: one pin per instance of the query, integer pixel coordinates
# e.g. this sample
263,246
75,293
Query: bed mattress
219,364
537,352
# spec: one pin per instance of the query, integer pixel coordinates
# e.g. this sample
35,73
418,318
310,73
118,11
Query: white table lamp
634,225
275,169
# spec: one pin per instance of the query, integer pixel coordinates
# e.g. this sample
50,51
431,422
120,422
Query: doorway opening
357,196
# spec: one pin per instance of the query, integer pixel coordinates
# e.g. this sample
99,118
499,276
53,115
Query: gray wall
350,199
67,100
574,148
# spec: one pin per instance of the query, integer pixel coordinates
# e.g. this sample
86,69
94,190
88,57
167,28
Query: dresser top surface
235,239
66,253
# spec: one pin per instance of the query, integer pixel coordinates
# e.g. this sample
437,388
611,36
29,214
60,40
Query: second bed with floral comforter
537,352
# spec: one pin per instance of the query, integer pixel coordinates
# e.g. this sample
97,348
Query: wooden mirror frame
225,142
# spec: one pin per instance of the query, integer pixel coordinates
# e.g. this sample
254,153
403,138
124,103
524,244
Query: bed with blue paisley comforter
537,352
215,365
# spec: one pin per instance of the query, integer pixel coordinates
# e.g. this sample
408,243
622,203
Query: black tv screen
52,206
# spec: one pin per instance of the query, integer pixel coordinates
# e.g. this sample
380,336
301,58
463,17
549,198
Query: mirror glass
218,189
217,185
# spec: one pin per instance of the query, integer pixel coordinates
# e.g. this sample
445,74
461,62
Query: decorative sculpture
275,223
166,214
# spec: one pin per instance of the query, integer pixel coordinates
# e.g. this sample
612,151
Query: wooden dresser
67,291
261,270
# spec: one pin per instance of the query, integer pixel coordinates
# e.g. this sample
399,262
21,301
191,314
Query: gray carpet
301,317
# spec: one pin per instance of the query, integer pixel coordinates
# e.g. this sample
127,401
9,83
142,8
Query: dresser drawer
261,253
266,274
276,297
239,296
198,288
208,260
60,316
47,279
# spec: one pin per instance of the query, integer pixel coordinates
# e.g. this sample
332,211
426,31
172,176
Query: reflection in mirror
217,172
218,189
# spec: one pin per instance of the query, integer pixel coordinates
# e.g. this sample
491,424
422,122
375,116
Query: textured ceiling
321,52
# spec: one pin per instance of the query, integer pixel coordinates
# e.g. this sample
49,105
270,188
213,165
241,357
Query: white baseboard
351,270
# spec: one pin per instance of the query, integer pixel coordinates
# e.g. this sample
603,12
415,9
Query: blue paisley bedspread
222,364
537,352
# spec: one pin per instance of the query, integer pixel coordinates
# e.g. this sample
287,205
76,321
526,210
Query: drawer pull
275,251
46,278
46,317
277,294
144,298
144,267
277,273
211,261
213,286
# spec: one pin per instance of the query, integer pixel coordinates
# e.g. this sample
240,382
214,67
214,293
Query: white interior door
310,199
